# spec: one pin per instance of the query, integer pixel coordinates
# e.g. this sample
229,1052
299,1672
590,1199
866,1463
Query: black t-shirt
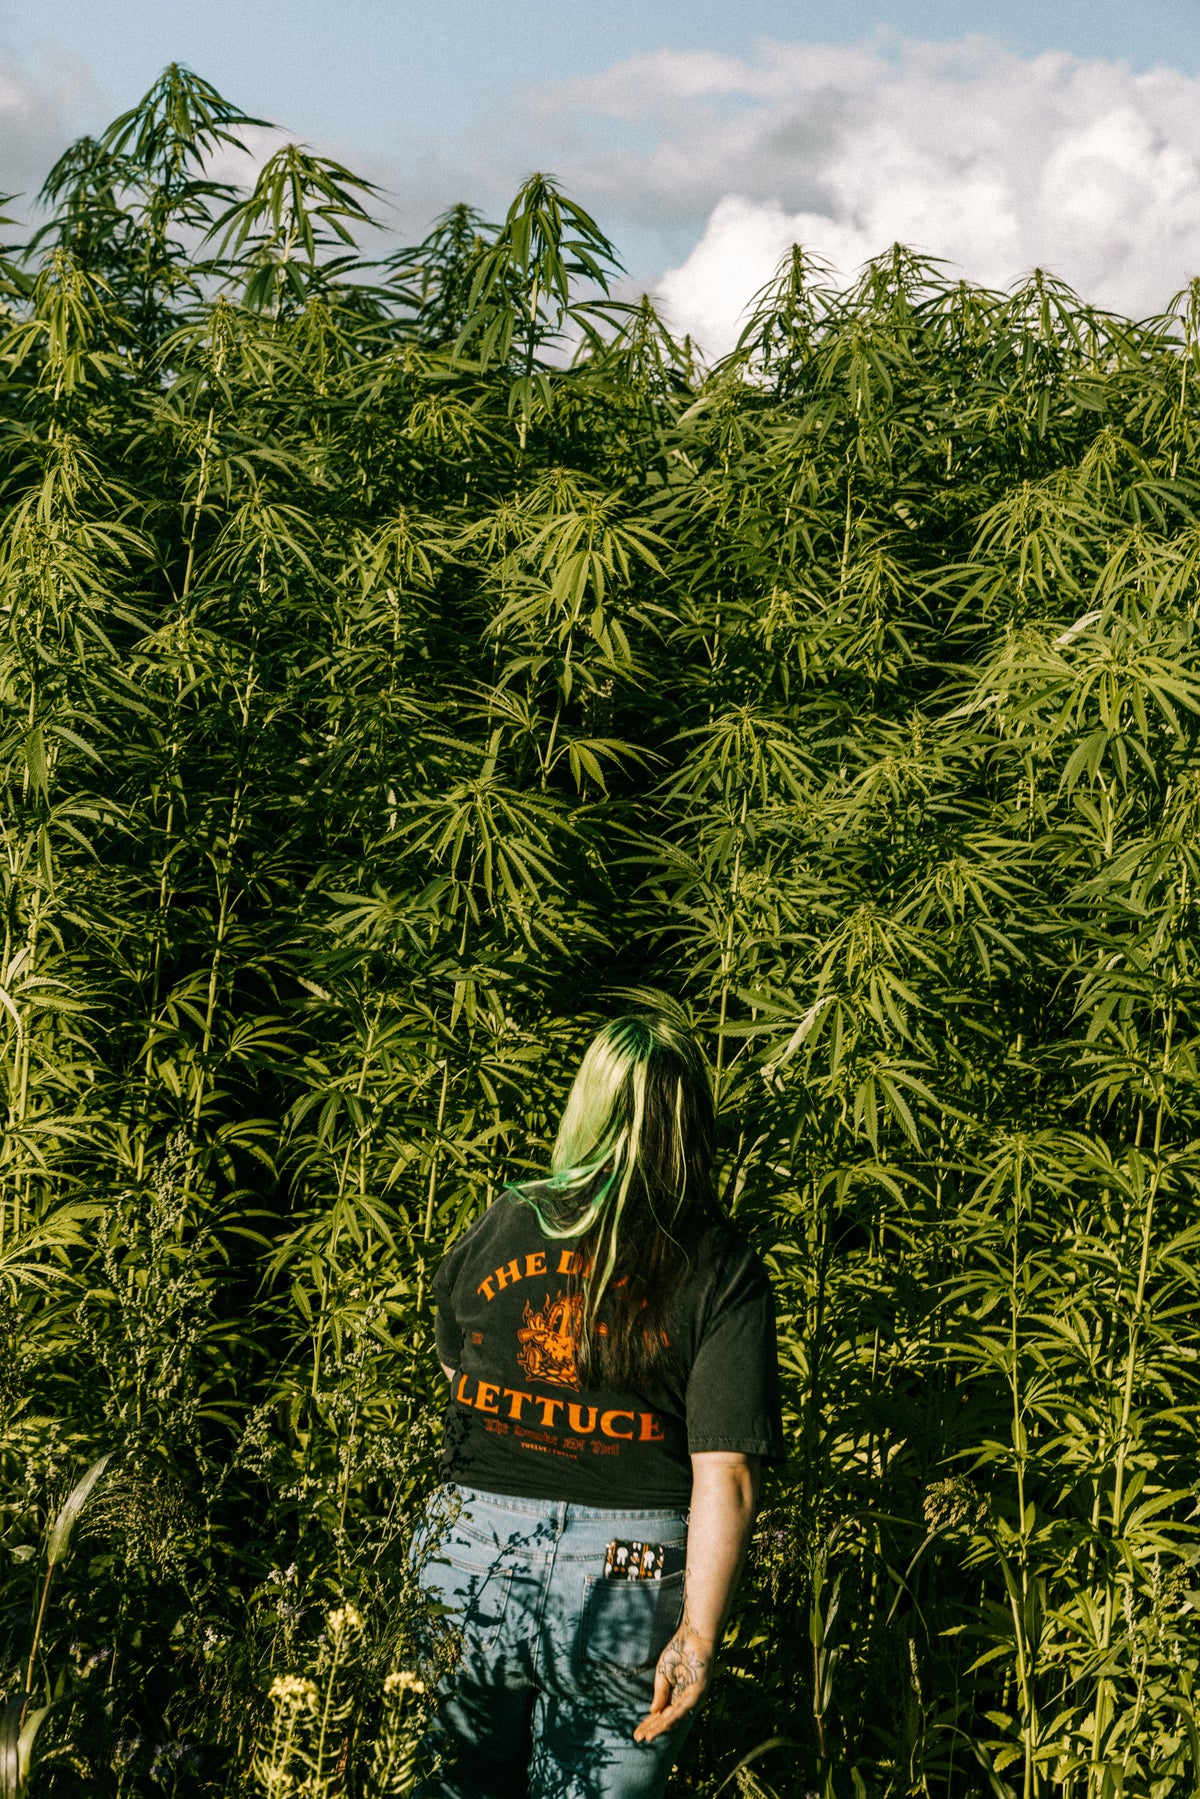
518,1421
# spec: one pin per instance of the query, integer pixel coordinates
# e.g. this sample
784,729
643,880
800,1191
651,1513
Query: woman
610,1347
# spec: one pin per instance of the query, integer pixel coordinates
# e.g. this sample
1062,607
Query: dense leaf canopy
402,659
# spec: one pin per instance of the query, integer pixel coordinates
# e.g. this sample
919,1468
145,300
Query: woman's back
610,1345
524,1419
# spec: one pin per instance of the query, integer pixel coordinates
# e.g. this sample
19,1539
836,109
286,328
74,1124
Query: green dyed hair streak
599,1148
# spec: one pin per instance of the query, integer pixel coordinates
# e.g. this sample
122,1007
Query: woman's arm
724,1496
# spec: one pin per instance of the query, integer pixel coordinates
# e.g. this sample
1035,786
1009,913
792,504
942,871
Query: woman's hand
680,1681
724,1495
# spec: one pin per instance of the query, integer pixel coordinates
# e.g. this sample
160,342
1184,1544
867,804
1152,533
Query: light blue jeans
557,1660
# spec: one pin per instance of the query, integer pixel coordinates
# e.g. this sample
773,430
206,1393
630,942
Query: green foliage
398,662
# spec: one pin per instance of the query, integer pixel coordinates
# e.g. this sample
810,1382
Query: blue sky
705,136
368,72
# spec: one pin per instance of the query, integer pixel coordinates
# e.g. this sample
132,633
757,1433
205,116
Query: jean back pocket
628,1623
475,1596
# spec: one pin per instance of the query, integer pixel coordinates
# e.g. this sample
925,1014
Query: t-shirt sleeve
733,1387
447,1331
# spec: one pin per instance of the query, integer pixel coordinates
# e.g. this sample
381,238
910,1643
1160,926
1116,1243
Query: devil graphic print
548,1339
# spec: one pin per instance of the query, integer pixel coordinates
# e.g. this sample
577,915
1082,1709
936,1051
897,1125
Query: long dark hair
632,1178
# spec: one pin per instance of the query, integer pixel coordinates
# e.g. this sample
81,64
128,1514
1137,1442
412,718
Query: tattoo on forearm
682,1666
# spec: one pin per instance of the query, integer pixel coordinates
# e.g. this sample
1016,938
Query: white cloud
742,245
41,108
962,151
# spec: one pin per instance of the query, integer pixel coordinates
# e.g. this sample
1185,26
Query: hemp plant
404,655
